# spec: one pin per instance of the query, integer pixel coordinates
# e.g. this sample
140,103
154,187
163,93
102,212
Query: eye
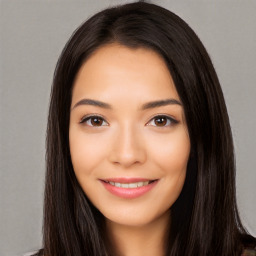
163,121
94,121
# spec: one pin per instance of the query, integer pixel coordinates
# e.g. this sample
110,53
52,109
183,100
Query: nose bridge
128,146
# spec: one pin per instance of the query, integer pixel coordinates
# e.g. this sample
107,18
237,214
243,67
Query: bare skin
128,140
146,240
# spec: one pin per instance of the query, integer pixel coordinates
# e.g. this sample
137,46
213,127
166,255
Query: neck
147,240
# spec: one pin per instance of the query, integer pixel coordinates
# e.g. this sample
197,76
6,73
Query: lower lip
129,192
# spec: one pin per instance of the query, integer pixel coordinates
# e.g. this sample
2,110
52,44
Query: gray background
33,34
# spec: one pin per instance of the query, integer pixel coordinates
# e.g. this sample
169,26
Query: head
204,202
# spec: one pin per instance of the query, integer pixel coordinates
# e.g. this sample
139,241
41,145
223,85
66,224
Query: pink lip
128,193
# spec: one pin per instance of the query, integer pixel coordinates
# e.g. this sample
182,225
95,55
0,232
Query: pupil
96,121
161,121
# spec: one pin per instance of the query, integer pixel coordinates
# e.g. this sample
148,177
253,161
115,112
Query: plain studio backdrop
33,33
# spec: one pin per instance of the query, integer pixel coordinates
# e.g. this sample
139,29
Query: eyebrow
148,105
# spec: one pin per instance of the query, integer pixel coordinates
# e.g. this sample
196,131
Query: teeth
133,185
117,184
140,184
129,185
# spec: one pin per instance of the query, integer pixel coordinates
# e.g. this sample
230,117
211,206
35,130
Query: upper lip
126,179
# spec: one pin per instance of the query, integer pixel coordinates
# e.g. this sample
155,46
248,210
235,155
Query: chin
135,218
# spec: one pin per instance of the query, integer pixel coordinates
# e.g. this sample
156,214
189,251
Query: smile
130,185
125,189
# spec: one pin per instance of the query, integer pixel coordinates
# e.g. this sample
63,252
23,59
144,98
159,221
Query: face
128,137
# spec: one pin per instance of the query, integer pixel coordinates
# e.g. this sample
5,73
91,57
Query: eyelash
171,120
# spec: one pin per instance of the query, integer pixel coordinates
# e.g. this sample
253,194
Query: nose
128,148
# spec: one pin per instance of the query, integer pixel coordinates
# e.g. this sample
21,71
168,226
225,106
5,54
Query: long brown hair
205,219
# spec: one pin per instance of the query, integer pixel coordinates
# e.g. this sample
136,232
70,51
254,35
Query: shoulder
34,253
30,253
249,252
249,246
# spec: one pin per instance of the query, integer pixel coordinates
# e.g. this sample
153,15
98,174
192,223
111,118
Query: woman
139,148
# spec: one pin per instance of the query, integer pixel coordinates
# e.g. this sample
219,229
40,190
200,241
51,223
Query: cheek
86,151
171,156
171,152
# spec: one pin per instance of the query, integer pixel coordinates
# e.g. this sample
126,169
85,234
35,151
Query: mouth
130,184
129,187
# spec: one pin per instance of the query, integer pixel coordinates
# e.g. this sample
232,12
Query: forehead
130,74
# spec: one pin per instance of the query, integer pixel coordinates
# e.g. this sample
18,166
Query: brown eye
163,121
93,121
96,121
